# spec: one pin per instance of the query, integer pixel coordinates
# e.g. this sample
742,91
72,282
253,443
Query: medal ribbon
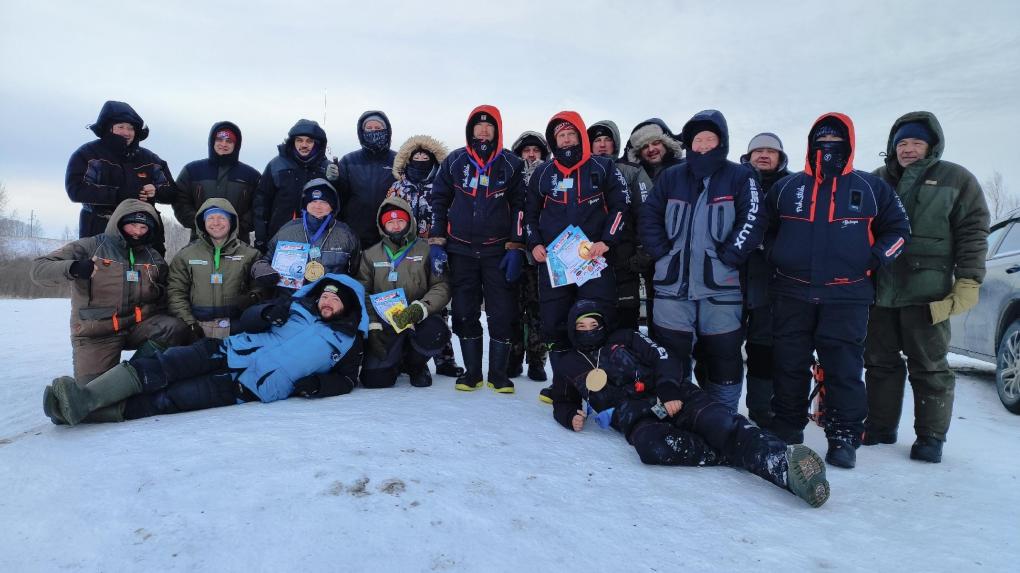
396,259
322,227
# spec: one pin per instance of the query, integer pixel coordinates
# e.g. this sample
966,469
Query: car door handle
1012,269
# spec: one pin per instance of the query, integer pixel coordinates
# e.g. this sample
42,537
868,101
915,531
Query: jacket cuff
424,309
374,326
441,241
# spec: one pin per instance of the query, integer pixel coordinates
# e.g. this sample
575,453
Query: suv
991,330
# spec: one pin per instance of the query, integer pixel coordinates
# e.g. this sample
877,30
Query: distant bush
15,282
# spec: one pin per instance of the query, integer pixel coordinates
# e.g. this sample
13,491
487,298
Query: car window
994,237
1011,242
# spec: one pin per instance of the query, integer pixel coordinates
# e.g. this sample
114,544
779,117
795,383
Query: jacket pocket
667,273
722,215
719,275
676,218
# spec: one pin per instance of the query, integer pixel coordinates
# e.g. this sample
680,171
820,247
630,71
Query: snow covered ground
409,479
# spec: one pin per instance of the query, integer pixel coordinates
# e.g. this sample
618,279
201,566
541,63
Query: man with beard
653,146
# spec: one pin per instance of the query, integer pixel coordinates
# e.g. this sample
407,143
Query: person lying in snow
308,345
633,385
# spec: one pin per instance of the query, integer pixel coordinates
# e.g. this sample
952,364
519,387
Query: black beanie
598,131
319,190
137,217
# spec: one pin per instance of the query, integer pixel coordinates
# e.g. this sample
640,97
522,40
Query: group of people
854,267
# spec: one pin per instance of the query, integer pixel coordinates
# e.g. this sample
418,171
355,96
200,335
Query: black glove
379,342
82,269
196,331
277,314
268,280
641,262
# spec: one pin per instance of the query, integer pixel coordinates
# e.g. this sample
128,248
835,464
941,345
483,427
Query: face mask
376,141
482,148
834,156
568,156
590,340
705,164
419,170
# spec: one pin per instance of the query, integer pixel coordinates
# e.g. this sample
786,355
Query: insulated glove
379,342
264,275
82,269
962,298
332,172
412,314
277,314
438,258
511,264
196,331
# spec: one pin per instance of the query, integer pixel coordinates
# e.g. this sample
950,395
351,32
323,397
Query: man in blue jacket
309,346
830,228
477,205
366,175
696,225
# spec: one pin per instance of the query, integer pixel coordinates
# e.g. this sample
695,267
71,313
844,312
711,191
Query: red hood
494,112
845,120
573,118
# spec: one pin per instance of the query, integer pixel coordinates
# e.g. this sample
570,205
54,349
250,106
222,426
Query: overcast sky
768,66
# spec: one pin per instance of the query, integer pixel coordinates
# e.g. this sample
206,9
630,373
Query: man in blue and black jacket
575,188
698,224
830,228
477,207
366,175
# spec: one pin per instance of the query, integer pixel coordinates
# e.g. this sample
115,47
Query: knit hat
562,126
137,217
392,215
226,134
216,211
914,130
830,126
319,190
597,316
373,117
597,131
765,140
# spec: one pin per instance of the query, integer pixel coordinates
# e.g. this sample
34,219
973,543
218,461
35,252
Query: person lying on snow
633,385
307,345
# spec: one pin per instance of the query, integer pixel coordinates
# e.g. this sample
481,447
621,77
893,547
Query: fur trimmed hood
647,132
426,142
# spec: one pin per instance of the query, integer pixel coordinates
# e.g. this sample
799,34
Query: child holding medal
629,383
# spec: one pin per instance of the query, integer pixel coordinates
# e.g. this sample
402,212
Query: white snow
29,246
458,481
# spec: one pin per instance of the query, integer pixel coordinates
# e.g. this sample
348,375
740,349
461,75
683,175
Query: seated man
308,347
625,377
401,260
332,245
209,285
118,297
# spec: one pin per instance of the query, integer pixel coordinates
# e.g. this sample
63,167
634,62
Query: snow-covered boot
471,379
446,363
926,449
499,354
805,475
77,402
841,454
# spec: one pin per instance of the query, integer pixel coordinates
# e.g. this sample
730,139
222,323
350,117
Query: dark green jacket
414,274
948,219
191,293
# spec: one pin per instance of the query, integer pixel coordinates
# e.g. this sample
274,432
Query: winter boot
471,379
841,454
446,363
499,354
51,407
515,367
805,475
76,402
420,376
114,413
759,400
873,437
926,449
536,368
545,395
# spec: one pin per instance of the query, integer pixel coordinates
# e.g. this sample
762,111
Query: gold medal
314,271
584,250
596,380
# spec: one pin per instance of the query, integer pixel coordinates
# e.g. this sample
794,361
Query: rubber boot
114,413
499,356
545,395
726,394
77,402
471,379
51,407
420,376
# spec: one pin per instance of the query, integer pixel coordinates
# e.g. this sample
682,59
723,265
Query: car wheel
1007,368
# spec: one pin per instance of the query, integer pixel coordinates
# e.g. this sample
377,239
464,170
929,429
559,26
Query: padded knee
659,443
721,353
